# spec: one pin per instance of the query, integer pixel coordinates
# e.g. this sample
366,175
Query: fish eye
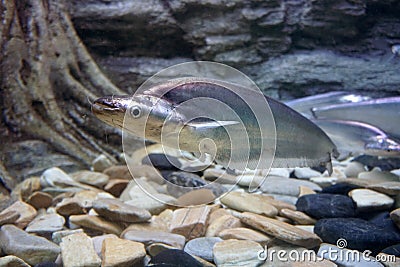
135,111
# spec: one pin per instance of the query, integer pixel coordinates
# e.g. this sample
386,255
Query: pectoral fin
210,124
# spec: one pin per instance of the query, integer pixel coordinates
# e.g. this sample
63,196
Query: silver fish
159,114
353,138
383,113
305,105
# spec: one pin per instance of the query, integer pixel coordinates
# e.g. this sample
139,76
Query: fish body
214,117
305,105
353,138
383,113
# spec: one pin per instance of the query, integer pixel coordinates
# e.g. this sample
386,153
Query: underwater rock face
358,233
133,40
326,206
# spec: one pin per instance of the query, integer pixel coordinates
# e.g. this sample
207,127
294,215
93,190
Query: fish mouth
109,109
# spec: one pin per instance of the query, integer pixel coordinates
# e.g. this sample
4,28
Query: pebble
13,261
286,186
306,173
368,200
151,173
159,222
324,181
152,203
242,233
388,188
308,228
326,206
378,176
116,186
116,210
395,216
218,212
118,172
282,172
304,190
8,217
174,257
120,252
25,188
237,253
353,169
202,247
219,175
101,163
341,257
382,220
396,172
96,223
96,179
40,200
46,224
392,250
157,248
150,237
297,217
359,234
290,200
54,177
30,248
281,230
71,206
181,183
384,164
340,189
25,211
190,222
278,204
196,197
249,202
98,242
221,223
57,236
162,161
77,251
250,180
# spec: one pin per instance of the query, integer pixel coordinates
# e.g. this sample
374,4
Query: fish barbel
159,114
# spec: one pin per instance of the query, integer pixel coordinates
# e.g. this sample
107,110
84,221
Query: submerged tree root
45,72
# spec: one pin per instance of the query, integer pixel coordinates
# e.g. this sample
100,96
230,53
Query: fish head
144,116
383,146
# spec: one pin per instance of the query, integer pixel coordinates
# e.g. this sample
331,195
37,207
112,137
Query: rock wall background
290,48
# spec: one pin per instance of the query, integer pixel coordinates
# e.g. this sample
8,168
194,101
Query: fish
208,116
383,113
305,105
353,138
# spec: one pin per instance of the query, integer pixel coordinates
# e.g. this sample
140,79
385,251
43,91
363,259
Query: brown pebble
26,213
70,206
116,186
196,197
40,200
297,216
96,223
190,222
9,217
118,172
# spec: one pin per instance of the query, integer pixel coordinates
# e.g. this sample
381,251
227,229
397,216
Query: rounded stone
326,206
202,247
359,234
